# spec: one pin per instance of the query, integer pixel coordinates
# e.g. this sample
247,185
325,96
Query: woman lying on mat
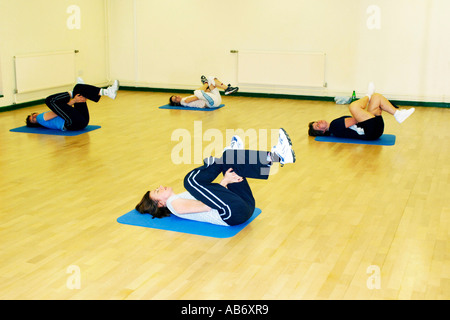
207,96
366,122
227,203
69,110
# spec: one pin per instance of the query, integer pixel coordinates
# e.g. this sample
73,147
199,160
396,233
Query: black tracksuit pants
235,203
76,117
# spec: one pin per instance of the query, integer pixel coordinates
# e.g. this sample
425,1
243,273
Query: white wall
41,26
170,43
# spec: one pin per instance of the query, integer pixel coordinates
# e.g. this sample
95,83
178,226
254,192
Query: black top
373,128
338,129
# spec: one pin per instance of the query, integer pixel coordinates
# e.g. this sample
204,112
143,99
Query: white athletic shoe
283,149
79,81
370,90
111,91
236,143
229,90
402,115
211,81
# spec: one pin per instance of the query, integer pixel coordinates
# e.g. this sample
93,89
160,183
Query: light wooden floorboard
325,220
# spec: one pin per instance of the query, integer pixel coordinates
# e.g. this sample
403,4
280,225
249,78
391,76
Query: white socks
111,91
236,143
211,81
370,90
402,115
79,81
399,115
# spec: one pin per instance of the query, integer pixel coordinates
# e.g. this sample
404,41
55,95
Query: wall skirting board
242,94
290,96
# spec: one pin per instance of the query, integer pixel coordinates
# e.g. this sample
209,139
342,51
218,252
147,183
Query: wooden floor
343,222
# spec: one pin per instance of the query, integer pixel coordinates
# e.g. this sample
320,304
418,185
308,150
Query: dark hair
314,133
173,103
31,124
147,205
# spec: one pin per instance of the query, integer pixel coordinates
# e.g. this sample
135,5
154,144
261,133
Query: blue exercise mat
42,130
384,140
173,223
167,106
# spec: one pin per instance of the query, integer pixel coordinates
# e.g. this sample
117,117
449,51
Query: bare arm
230,177
190,99
77,99
49,115
183,206
350,122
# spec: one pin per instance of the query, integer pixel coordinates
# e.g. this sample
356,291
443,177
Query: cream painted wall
170,43
41,26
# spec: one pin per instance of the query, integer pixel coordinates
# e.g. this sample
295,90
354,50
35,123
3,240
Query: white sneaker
236,143
370,90
283,149
111,91
402,115
211,81
80,80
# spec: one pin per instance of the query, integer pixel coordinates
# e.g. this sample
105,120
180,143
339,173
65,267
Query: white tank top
211,216
193,104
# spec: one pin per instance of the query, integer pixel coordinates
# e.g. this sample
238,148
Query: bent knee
376,96
355,106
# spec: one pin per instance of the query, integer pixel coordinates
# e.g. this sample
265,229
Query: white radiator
44,70
303,69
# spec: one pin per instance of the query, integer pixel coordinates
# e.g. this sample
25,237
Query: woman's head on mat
31,120
318,128
174,100
154,202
